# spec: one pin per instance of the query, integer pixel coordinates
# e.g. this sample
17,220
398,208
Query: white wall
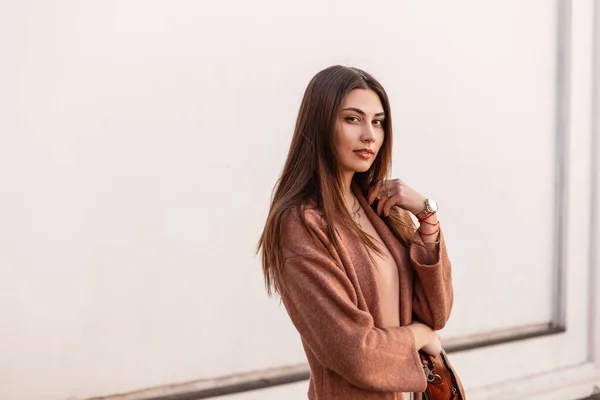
140,140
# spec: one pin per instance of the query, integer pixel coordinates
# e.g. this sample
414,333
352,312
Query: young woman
364,288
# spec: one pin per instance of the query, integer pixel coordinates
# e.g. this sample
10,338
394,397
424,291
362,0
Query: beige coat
335,309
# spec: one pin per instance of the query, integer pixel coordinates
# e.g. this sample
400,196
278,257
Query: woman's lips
365,155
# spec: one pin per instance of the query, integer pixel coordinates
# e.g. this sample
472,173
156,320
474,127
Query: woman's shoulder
305,214
300,225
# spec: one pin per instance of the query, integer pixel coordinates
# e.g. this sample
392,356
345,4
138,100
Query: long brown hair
312,170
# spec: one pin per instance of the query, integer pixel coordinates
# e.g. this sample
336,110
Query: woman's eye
378,122
352,119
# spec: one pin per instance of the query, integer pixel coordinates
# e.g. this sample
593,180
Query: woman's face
359,130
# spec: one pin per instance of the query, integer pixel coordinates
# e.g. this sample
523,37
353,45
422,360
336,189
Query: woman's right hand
426,339
434,347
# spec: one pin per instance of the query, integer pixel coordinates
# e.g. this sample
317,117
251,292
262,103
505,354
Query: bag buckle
431,375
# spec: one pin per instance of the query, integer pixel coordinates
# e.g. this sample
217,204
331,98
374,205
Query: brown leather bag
442,381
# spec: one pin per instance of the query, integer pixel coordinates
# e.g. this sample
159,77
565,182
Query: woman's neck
347,189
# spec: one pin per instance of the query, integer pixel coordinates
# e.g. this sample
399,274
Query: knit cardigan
333,302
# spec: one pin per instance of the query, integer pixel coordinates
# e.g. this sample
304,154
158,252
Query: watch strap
427,211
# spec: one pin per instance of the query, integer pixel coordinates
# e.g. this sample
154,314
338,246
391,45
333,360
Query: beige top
355,348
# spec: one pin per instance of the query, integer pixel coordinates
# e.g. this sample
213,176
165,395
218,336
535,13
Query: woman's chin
357,167
362,168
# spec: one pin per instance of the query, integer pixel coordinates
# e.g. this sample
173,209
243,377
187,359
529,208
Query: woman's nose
368,135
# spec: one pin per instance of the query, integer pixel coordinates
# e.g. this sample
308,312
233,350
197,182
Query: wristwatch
430,207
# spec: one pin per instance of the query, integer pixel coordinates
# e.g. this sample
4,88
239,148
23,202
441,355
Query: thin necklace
356,214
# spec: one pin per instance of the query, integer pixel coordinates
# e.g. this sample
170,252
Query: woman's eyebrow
361,112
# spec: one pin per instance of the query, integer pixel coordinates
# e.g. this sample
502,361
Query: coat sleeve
322,304
433,292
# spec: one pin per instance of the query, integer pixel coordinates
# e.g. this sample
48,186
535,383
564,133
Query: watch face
432,204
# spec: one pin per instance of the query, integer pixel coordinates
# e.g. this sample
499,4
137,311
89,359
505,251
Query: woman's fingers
391,201
380,205
382,190
395,192
391,193
434,347
386,192
375,192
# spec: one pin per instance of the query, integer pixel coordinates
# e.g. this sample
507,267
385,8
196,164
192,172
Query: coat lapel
400,255
358,257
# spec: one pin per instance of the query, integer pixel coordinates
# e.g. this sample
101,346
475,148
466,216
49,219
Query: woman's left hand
394,192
